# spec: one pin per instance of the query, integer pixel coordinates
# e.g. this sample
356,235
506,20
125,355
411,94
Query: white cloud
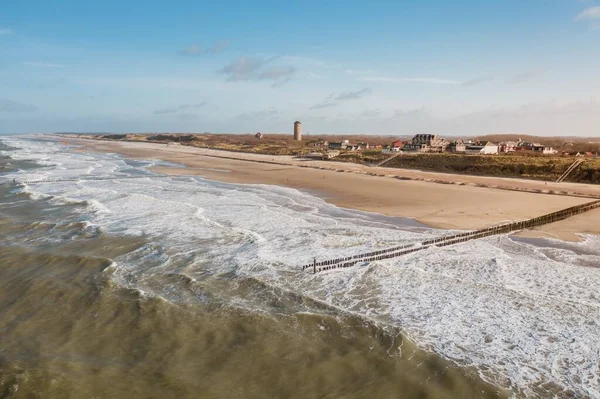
4,31
42,64
590,13
412,80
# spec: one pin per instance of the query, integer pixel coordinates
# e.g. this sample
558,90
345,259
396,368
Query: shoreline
457,202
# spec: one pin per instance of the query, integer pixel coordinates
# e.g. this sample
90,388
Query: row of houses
434,143
343,145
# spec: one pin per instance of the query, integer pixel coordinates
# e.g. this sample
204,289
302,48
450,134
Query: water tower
297,131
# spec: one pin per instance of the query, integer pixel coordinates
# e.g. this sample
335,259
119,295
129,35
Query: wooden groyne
394,252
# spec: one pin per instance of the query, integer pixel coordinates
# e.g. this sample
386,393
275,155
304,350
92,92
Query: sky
395,67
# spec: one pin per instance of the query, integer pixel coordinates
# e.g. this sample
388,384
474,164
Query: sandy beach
437,199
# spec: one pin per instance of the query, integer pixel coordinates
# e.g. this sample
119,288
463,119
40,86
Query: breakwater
388,253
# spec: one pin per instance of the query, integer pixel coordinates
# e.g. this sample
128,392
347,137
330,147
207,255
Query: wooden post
315,266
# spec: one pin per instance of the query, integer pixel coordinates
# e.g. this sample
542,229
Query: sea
117,282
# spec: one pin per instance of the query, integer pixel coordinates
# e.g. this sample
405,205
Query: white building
488,149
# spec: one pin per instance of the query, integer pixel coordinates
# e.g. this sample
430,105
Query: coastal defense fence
443,241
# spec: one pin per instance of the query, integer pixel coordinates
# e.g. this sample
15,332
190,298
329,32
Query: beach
119,281
439,200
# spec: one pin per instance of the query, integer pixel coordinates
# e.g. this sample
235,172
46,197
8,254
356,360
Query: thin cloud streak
5,31
185,107
193,50
412,80
352,95
333,99
255,68
478,80
196,50
526,76
267,113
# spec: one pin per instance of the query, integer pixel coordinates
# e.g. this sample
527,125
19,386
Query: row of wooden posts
394,252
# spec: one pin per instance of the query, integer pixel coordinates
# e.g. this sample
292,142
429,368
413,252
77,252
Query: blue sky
379,66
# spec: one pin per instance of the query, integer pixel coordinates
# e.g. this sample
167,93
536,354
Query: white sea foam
526,316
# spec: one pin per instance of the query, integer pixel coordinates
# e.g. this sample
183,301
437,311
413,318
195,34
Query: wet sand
436,199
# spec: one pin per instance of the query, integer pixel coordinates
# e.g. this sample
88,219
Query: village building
318,143
457,146
353,147
507,146
488,148
339,145
398,144
534,147
426,143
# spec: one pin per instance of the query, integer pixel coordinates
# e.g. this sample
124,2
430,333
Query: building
488,148
457,146
298,131
399,144
507,146
338,145
318,143
426,143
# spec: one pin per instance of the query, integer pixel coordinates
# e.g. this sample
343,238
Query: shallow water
186,287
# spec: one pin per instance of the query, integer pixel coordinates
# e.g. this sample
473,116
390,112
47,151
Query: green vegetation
519,165
530,167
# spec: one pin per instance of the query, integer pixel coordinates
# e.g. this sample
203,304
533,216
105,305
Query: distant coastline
525,165
455,202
